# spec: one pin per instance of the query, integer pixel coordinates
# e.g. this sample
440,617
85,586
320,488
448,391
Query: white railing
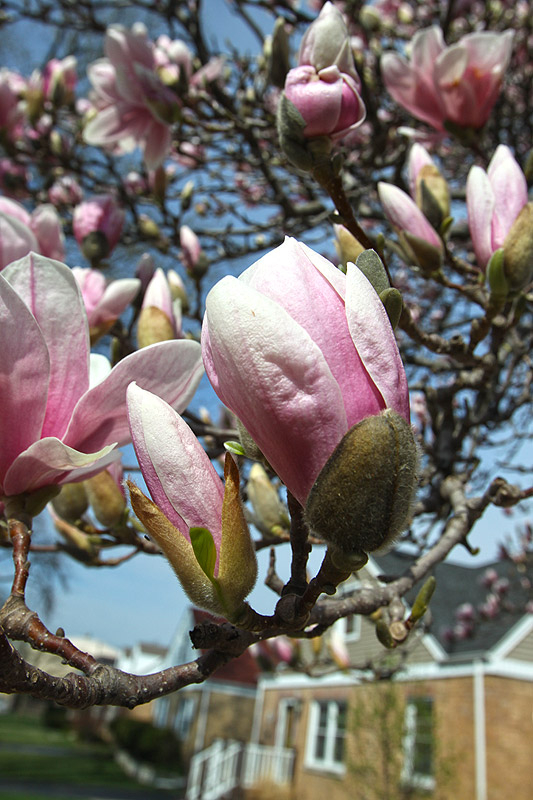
222,767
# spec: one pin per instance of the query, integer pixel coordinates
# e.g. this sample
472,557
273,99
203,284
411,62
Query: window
326,735
184,716
418,743
350,626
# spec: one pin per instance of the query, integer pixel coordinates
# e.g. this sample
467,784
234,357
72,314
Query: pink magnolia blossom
325,87
188,493
46,225
22,232
457,84
494,200
418,159
404,214
65,191
60,420
102,214
301,353
13,178
59,80
166,322
104,302
11,107
191,249
328,100
326,42
134,107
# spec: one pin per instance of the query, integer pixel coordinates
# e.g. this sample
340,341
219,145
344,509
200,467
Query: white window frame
184,716
348,589
327,763
409,777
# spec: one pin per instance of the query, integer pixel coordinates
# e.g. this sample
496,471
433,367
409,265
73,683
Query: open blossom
301,353
457,84
134,107
494,199
62,415
190,498
104,302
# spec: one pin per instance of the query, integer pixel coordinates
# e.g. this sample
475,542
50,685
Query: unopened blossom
98,222
427,186
160,316
11,107
324,87
301,353
13,178
59,80
62,414
328,101
22,232
190,499
458,84
104,302
191,251
417,234
494,201
65,191
46,225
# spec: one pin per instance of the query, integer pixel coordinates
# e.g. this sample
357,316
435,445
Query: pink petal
51,293
375,342
480,208
170,369
49,462
509,186
177,471
265,367
117,297
312,291
405,215
16,239
24,372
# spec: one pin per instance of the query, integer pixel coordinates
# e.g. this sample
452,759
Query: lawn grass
88,764
16,729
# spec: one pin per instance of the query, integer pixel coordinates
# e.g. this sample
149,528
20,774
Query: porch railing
225,765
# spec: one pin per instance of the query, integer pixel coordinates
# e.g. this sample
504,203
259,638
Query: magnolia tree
369,389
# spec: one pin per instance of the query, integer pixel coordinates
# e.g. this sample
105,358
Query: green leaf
235,447
204,549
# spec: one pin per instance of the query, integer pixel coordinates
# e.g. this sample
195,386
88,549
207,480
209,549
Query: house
220,708
455,721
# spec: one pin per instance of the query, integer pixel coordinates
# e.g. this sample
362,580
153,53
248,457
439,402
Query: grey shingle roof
456,585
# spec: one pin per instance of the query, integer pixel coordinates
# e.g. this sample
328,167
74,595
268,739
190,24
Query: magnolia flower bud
518,250
71,502
277,52
106,500
347,246
361,500
432,194
154,326
265,500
